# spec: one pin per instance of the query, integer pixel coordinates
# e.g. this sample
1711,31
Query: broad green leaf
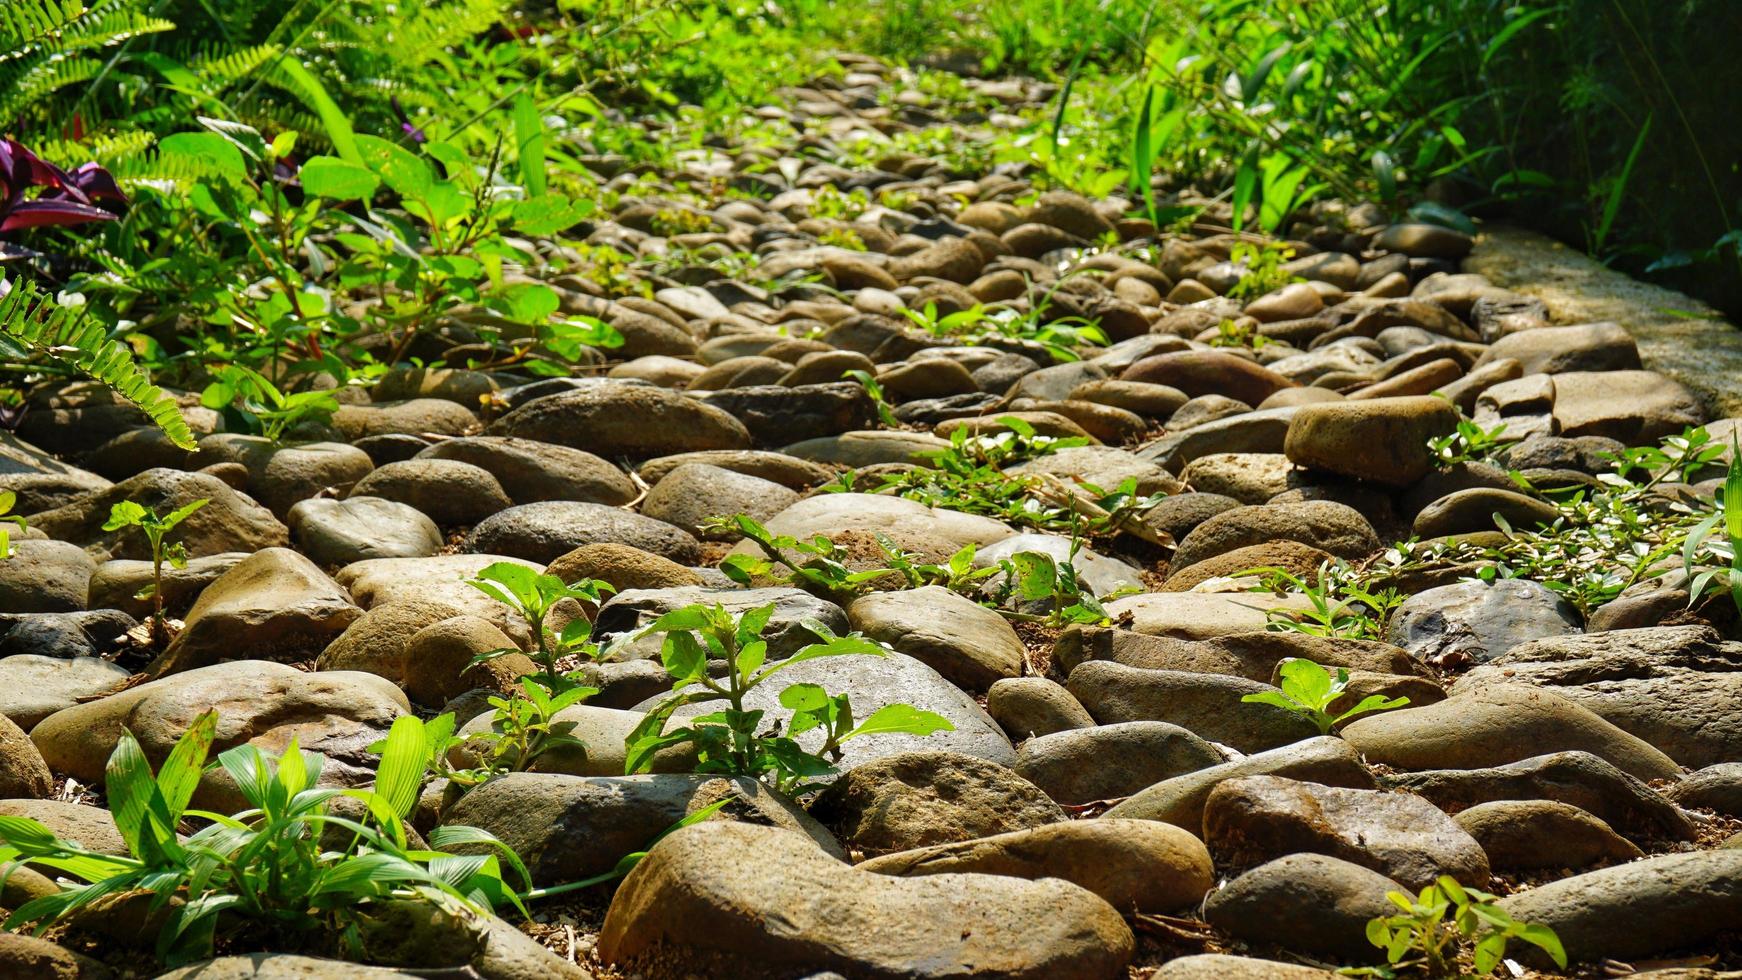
337,180
1306,682
902,719
400,773
403,171
529,135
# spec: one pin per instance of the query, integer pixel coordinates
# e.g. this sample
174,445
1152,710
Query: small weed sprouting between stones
9,499
1261,270
732,739
130,514
1701,549
1309,689
1470,443
288,870
1342,601
1427,937
533,595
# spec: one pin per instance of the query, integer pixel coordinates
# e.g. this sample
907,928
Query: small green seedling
274,411
1034,576
533,595
1428,935
1726,577
1308,689
733,739
129,514
8,500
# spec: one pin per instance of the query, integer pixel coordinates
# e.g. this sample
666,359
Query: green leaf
314,95
126,513
682,657
901,719
804,697
214,154
407,174
399,776
337,179
529,134
1306,682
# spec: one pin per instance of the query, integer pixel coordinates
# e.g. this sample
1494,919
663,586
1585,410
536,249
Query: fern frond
230,67
39,79
33,321
24,23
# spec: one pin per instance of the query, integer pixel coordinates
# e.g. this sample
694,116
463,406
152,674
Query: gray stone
1111,762
968,644
44,576
1308,903
1207,705
1531,835
339,532
917,799
1475,622
34,687
542,532
1180,800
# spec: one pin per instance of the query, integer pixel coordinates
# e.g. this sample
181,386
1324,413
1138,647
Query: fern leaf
24,23
33,321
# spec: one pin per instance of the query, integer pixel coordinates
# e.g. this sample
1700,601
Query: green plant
1032,576
1059,337
958,573
523,726
1309,689
270,876
1434,926
818,565
260,402
1341,601
130,514
1238,333
1469,444
8,500
732,739
1727,577
31,323
533,595
874,391
1261,270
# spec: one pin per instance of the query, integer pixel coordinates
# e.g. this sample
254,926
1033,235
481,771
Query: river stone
34,687
545,531
689,496
830,514
1198,615
1636,407
531,471
1307,903
1253,655
604,732
1104,466
968,644
785,632
1029,707
274,604
1254,819
1579,347
336,713
1667,902
23,773
1263,431
1112,761
777,414
65,635
1380,439
614,419
116,583
570,827
1220,966
1209,372
916,799
1207,705
436,579
278,475
788,471
1677,687
1475,622
375,641
24,957
228,522
438,661
1579,779
1497,724
1180,800
622,567
1473,510
1135,865
1531,835
44,576
694,902
339,532
1422,240
280,966
452,493
856,449
414,416
1333,527
1716,787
